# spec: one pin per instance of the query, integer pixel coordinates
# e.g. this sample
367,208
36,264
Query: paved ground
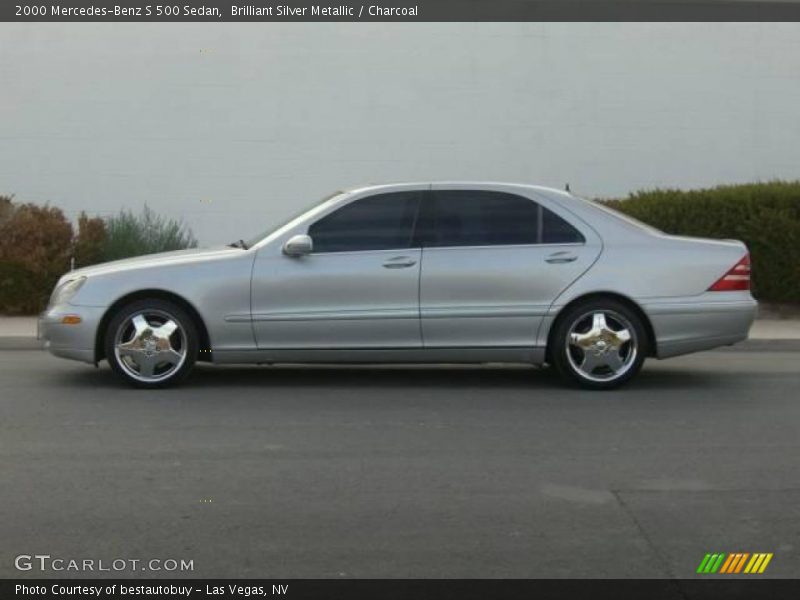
449,472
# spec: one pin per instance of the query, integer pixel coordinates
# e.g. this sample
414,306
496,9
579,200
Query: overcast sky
234,126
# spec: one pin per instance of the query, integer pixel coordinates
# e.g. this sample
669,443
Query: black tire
607,347
148,346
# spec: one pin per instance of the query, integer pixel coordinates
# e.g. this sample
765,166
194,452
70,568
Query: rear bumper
76,342
701,323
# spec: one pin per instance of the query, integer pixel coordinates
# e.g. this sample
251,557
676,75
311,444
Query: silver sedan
415,273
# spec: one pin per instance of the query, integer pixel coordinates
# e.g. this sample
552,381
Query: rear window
618,215
556,230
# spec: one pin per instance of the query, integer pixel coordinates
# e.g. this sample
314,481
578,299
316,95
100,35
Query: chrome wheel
150,346
601,345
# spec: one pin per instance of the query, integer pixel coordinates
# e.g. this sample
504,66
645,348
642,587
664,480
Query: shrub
132,235
35,243
21,290
90,244
6,206
765,216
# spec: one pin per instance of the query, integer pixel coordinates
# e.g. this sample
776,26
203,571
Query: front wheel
151,343
599,344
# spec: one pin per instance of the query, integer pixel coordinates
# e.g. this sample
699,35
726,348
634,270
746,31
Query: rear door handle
563,256
399,262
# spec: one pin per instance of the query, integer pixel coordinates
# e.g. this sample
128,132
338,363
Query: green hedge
765,216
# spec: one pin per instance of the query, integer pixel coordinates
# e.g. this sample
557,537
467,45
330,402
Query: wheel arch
628,301
202,330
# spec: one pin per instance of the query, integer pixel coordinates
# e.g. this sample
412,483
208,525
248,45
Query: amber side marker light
70,319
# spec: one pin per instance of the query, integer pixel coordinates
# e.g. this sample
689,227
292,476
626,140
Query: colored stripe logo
734,563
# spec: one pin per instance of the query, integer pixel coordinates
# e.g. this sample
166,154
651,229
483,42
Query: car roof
400,185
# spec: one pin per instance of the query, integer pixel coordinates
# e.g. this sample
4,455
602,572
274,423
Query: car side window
556,230
487,218
379,222
481,218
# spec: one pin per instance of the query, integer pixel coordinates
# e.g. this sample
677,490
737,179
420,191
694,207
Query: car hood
177,257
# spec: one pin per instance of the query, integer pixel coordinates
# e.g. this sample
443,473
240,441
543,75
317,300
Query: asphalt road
391,472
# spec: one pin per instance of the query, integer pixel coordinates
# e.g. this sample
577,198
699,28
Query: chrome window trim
343,252
489,246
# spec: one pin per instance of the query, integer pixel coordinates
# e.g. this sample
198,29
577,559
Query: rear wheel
599,344
151,343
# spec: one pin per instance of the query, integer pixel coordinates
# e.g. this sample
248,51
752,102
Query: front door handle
399,262
563,256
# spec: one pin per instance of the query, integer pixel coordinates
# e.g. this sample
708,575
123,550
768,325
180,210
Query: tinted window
486,218
380,222
481,218
556,230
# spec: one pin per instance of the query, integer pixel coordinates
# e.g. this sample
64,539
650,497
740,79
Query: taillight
738,278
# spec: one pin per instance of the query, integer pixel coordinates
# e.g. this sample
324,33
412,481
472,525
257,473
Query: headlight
65,291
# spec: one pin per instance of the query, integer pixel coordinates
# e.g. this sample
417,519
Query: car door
492,264
358,288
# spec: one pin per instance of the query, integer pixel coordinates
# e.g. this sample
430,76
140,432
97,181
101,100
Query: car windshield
254,240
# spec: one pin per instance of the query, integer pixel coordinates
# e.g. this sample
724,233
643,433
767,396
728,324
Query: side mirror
298,245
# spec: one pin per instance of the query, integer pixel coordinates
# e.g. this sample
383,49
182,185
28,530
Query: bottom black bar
396,589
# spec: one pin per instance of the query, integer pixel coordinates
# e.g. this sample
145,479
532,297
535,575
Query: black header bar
143,11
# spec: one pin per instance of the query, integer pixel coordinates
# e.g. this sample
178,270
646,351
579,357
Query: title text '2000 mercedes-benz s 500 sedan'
415,273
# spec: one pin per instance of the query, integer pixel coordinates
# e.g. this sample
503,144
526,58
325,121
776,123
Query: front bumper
75,341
